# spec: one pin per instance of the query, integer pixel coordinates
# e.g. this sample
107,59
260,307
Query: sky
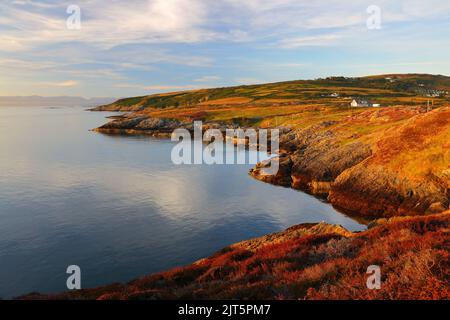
120,48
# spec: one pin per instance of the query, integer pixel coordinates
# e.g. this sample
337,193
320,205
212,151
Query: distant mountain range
62,101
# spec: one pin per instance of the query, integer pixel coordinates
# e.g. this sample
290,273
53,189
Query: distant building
361,103
431,93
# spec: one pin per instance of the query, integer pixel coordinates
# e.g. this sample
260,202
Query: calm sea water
117,207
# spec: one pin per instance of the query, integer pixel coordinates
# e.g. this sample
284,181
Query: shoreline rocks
355,176
365,179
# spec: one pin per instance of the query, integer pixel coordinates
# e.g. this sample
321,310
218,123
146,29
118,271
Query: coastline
359,174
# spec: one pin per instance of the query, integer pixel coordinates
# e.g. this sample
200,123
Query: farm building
360,103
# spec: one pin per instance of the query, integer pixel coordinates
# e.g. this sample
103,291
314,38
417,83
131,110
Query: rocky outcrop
374,191
312,160
303,230
407,173
117,107
325,161
402,171
135,124
283,175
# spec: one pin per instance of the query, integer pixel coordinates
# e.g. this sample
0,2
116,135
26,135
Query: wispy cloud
207,42
62,84
68,83
157,87
208,79
190,21
108,25
20,64
248,81
319,40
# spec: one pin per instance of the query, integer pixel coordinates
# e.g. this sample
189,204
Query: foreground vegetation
315,261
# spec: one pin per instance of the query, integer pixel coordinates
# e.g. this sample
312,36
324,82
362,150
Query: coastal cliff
404,170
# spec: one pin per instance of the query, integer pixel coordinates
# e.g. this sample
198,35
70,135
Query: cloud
117,23
284,20
157,87
11,44
68,83
208,79
319,40
62,84
138,41
20,64
248,81
291,65
28,24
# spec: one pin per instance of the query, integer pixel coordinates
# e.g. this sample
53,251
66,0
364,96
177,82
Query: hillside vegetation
315,261
335,91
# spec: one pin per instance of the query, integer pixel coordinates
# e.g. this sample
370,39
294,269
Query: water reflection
117,206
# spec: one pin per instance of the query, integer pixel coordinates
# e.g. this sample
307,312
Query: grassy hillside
335,91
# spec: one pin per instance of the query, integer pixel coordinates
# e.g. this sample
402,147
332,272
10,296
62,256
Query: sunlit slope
387,89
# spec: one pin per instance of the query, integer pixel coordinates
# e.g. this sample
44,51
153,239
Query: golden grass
228,101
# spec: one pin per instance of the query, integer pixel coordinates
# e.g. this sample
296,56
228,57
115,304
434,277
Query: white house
359,103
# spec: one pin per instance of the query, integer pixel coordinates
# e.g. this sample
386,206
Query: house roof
362,102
